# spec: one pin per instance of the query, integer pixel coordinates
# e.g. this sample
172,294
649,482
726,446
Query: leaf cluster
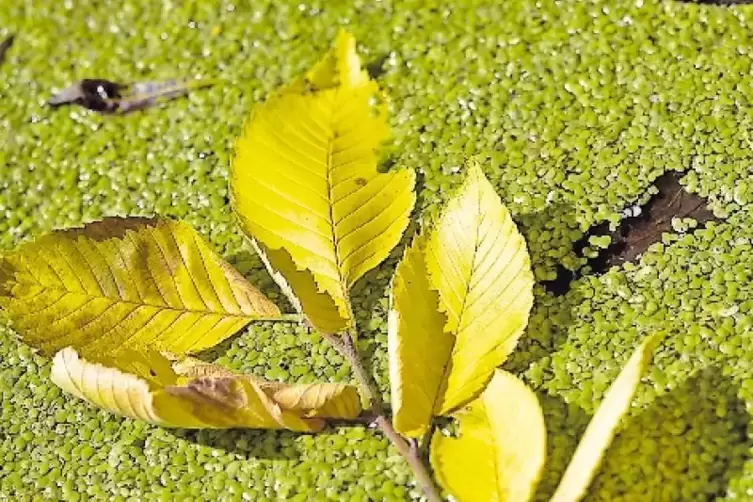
121,304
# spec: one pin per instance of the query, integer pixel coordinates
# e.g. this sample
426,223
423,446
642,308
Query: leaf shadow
375,67
549,249
553,306
687,445
247,443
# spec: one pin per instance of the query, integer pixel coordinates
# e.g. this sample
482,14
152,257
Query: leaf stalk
346,347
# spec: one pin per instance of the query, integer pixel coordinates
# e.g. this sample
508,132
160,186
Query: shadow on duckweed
553,303
685,446
247,443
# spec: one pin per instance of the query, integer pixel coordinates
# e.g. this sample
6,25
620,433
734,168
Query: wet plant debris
106,96
6,44
671,209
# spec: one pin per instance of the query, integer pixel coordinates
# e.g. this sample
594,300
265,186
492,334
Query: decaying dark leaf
5,45
112,97
636,233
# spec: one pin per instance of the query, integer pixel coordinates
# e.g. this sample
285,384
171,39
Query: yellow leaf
306,187
294,282
501,450
603,425
236,402
479,277
219,399
322,400
120,392
419,349
122,284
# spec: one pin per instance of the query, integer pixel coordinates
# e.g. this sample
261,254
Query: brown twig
346,347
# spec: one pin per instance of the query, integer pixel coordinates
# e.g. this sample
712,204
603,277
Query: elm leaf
322,400
501,450
460,302
132,283
146,386
306,186
603,425
419,349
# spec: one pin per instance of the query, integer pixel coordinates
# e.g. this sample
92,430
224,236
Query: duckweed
576,106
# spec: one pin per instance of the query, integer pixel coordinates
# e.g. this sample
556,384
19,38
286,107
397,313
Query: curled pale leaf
603,425
501,450
418,346
119,284
322,400
306,187
460,301
128,394
196,395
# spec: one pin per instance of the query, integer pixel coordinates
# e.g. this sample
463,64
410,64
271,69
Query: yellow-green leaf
120,392
123,284
418,346
501,450
603,425
478,263
152,391
306,187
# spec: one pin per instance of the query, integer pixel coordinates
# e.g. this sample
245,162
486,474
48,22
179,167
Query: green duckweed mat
577,105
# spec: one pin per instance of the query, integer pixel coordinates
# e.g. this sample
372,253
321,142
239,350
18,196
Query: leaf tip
348,62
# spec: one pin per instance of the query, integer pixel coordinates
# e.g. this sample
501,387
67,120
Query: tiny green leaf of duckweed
501,451
306,187
126,283
145,386
460,300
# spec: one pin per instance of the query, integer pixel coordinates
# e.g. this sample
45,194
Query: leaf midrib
331,204
448,364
